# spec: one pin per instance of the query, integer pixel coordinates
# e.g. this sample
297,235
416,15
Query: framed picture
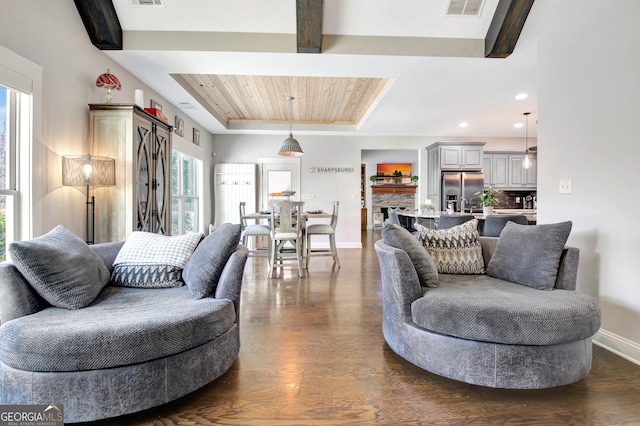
196,136
156,105
179,127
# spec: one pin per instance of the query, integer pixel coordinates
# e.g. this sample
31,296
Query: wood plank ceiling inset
260,99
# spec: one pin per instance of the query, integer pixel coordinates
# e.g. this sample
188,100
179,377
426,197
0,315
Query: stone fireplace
392,196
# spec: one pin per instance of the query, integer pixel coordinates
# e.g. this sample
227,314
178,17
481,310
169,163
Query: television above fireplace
393,173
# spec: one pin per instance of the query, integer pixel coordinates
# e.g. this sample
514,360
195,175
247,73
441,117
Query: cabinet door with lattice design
144,175
161,188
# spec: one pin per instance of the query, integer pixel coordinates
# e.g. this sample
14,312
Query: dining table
305,216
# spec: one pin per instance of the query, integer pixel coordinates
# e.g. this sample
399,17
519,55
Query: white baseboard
618,345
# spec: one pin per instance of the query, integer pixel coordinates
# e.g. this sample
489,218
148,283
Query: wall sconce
88,170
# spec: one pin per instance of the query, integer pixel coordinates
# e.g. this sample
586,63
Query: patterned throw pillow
152,260
455,250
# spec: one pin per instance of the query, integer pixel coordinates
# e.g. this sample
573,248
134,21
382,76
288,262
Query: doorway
277,176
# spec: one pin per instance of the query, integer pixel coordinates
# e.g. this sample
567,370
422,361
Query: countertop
530,213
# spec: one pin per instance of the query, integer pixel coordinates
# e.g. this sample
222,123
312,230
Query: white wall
589,102
51,34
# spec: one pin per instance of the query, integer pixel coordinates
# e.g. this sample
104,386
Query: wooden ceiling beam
506,27
309,15
101,22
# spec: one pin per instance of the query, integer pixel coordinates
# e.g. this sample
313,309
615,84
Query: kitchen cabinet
503,170
461,157
520,177
450,156
141,145
496,170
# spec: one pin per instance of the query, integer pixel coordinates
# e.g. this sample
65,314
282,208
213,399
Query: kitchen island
409,217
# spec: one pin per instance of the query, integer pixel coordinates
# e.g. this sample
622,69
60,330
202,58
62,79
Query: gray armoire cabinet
141,145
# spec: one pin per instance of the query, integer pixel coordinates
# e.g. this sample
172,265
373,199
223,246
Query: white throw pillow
153,260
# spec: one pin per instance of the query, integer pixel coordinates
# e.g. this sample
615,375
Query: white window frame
180,197
23,78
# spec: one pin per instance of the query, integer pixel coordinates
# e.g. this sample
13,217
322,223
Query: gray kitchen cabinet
141,145
461,157
496,170
519,177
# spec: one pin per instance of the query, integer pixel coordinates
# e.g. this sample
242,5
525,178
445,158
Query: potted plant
414,179
487,199
427,208
373,179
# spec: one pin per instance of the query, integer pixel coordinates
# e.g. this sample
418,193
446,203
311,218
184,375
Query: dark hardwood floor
313,354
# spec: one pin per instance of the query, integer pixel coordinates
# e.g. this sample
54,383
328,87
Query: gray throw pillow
148,260
61,268
529,254
203,271
456,250
398,237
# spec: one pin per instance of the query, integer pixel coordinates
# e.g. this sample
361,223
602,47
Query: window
10,113
185,193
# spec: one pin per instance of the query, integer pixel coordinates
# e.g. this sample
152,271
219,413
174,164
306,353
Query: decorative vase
486,210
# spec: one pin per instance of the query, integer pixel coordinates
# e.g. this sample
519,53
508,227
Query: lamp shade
88,170
290,147
109,82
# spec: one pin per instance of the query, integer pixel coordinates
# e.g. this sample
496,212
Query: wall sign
332,169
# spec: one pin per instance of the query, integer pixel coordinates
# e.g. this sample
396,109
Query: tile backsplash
512,199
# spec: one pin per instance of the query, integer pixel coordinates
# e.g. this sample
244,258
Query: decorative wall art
391,173
179,126
196,136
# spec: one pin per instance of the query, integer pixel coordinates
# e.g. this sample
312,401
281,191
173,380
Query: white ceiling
429,95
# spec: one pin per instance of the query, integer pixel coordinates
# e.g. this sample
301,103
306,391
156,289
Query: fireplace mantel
393,189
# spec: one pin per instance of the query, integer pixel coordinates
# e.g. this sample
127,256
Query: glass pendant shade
526,162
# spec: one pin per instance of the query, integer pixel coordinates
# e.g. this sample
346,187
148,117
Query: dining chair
256,231
324,229
286,227
495,223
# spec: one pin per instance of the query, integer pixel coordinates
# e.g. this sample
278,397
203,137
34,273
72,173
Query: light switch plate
565,186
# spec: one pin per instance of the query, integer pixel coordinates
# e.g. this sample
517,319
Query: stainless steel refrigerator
457,186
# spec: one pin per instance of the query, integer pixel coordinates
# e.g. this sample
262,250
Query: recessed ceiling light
464,124
518,125
521,96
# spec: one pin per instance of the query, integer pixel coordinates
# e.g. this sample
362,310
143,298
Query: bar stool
324,229
449,221
495,223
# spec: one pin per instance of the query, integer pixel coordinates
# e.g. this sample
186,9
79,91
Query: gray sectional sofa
130,348
484,330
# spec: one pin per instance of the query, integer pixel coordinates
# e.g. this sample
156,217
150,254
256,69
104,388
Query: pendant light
290,147
526,162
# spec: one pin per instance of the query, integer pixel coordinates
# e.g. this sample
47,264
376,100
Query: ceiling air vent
147,3
464,7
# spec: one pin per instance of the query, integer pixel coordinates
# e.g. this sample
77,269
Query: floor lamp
88,170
